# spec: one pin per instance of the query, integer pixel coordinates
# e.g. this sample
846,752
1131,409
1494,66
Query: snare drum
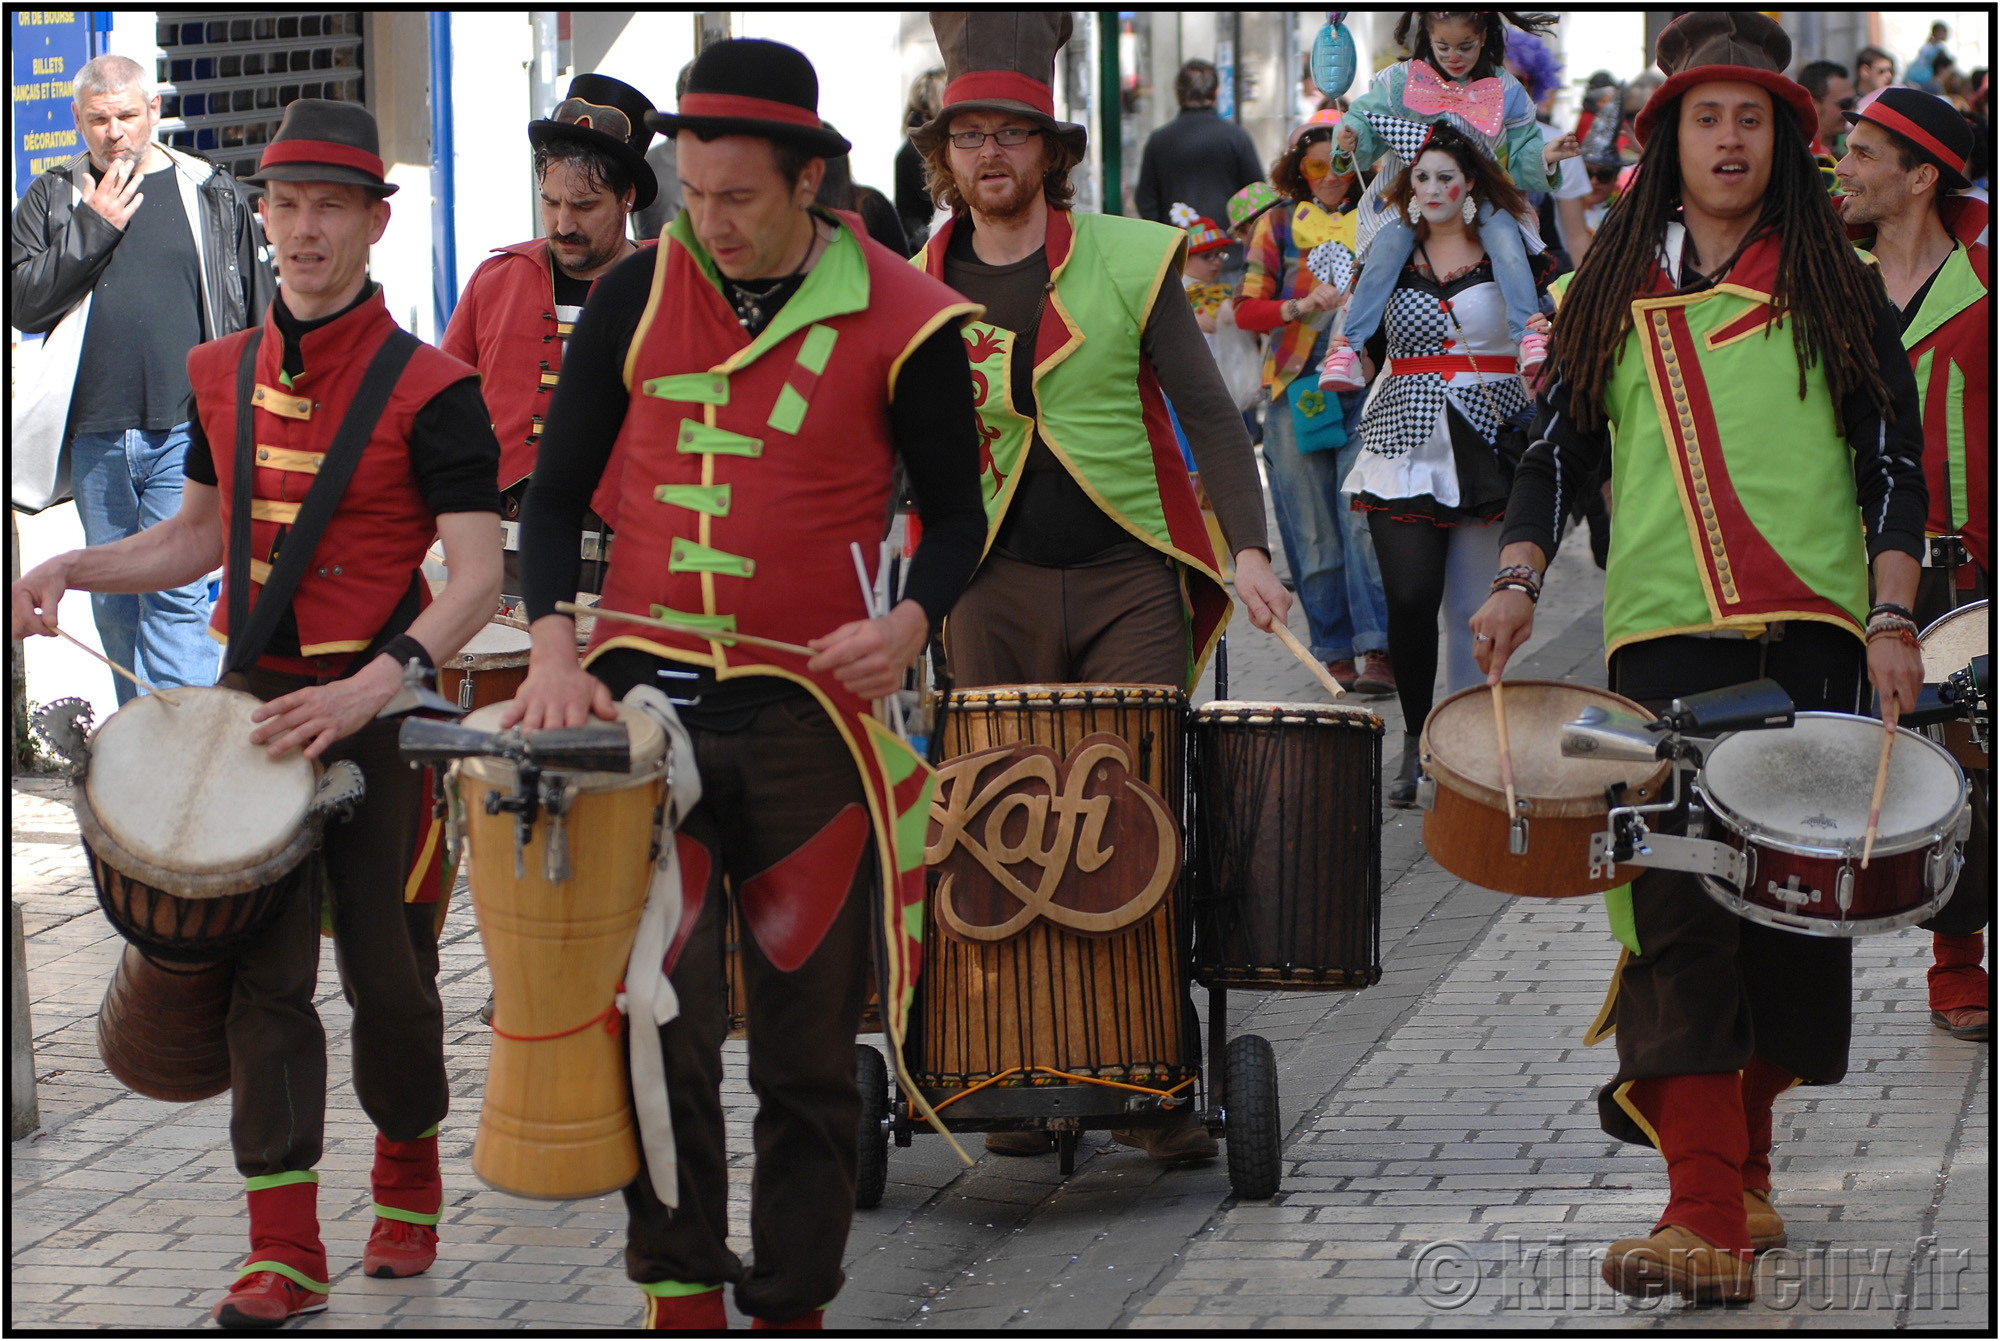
161,1030
556,1120
1053,948
196,836
1795,802
1285,852
488,669
1562,800
1950,644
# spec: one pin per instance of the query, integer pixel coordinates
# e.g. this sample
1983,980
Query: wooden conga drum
488,669
556,1120
1466,822
1084,987
160,1029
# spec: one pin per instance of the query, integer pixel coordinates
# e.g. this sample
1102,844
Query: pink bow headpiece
1481,104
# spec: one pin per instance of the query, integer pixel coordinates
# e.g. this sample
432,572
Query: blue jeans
125,482
1499,234
1327,546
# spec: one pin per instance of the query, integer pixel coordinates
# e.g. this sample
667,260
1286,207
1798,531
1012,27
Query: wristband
402,647
1523,572
1890,608
1533,592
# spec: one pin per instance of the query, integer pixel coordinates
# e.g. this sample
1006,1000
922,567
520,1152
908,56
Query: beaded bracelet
1890,608
1522,572
1534,593
1902,630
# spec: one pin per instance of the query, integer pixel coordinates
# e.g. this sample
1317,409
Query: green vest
1733,500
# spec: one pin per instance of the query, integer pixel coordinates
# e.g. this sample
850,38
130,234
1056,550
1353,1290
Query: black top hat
1934,128
322,141
748,86
608,115
1001,61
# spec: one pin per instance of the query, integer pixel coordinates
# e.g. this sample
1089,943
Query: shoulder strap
328,487
239,506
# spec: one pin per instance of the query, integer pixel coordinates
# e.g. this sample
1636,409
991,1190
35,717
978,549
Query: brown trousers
1123,622
386,953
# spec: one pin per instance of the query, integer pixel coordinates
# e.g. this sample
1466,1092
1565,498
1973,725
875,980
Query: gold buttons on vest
1683,415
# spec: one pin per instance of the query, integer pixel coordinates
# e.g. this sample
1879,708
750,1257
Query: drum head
497,646
1258,712
180,786
1809,785
649,751
1953,640
1462,747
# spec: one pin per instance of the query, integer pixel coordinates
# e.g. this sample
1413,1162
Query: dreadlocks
1413,33
1830,295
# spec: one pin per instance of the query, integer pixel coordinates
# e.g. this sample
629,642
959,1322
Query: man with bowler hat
323,606
1901,182
760,374
1761,477
513,321
1098,566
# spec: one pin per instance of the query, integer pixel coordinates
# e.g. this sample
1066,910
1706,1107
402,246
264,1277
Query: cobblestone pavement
1443,1164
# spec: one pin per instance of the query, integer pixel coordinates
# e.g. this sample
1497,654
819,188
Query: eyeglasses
1011,138
1847,104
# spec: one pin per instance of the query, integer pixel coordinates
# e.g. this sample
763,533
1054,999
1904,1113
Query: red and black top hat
322,141
1934,128
609,115
748,86
1001,60
1707,45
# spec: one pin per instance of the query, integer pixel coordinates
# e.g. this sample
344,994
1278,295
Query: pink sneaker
1534,353
1341,371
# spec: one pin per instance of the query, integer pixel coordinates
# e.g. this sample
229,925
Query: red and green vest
365,559
1734,500
1098,403
751,465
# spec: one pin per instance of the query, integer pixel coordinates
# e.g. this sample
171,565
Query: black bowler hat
608,115
1935,129
748,86
324,141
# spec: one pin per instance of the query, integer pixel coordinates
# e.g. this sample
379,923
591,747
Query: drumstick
1284,635
1881,779
160,694
572,608
1506,751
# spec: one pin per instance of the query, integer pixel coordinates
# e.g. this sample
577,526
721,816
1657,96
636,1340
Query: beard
996,201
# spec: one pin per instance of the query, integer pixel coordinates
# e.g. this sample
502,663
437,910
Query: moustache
570,239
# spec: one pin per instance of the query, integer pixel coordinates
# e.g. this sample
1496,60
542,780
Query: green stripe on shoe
290,1273
408,1217
674,1289
267,1181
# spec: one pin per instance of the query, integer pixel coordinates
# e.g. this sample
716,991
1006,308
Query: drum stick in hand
1291,643
1506,750
1881,779
160,694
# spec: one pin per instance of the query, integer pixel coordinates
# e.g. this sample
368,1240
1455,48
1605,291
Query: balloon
1333,58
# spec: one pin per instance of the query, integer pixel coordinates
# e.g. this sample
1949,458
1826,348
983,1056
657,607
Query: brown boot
1680,1260
1178,1144
1021,1142
1767,1227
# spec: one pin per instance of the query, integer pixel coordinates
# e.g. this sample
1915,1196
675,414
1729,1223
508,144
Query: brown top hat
323,141
1710,44
609,115
1001,60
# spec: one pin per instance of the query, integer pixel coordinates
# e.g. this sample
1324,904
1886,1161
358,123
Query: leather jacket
56,252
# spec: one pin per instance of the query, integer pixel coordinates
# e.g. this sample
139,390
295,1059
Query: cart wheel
871,1075
1251,1083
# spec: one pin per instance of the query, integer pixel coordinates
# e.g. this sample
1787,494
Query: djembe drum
556,1120
488,669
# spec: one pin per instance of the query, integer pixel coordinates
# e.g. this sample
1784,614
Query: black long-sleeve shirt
1888,453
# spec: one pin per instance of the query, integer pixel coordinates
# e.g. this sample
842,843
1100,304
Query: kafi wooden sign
1019,833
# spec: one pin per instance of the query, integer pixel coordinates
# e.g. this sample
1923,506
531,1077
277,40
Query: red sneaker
265,1299
397,1248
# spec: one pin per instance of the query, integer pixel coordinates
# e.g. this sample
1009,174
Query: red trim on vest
1185,526
1011,85
321,151
695,867
1894,120
741,107
789,905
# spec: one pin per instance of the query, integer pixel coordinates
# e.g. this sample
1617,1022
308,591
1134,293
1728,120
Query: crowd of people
1452,326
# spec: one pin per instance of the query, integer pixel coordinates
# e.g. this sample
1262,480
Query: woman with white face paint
1429,477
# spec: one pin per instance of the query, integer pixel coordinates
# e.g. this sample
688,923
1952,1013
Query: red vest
505,326
377,538
750,466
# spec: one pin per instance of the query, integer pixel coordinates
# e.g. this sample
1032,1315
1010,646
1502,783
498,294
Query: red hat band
1891,119
739,107
995,85
321,151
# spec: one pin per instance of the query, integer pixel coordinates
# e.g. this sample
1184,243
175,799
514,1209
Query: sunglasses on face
1011,138
1847,104
1314,169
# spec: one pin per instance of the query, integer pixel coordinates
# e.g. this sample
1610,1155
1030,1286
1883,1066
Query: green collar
1956,288
834,287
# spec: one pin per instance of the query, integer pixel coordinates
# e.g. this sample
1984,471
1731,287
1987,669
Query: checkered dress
1403,411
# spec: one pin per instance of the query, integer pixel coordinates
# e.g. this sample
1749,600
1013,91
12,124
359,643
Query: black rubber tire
1251,1132
871,1076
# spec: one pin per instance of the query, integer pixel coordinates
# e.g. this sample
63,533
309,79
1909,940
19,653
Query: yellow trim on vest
286,458
705,388
710,440
1651,324
1622,1096
961,312
646,317
1766,328
691,557
281,403
415,882
260,572
710,499
1751,626
328,649
271,510
1604,1026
